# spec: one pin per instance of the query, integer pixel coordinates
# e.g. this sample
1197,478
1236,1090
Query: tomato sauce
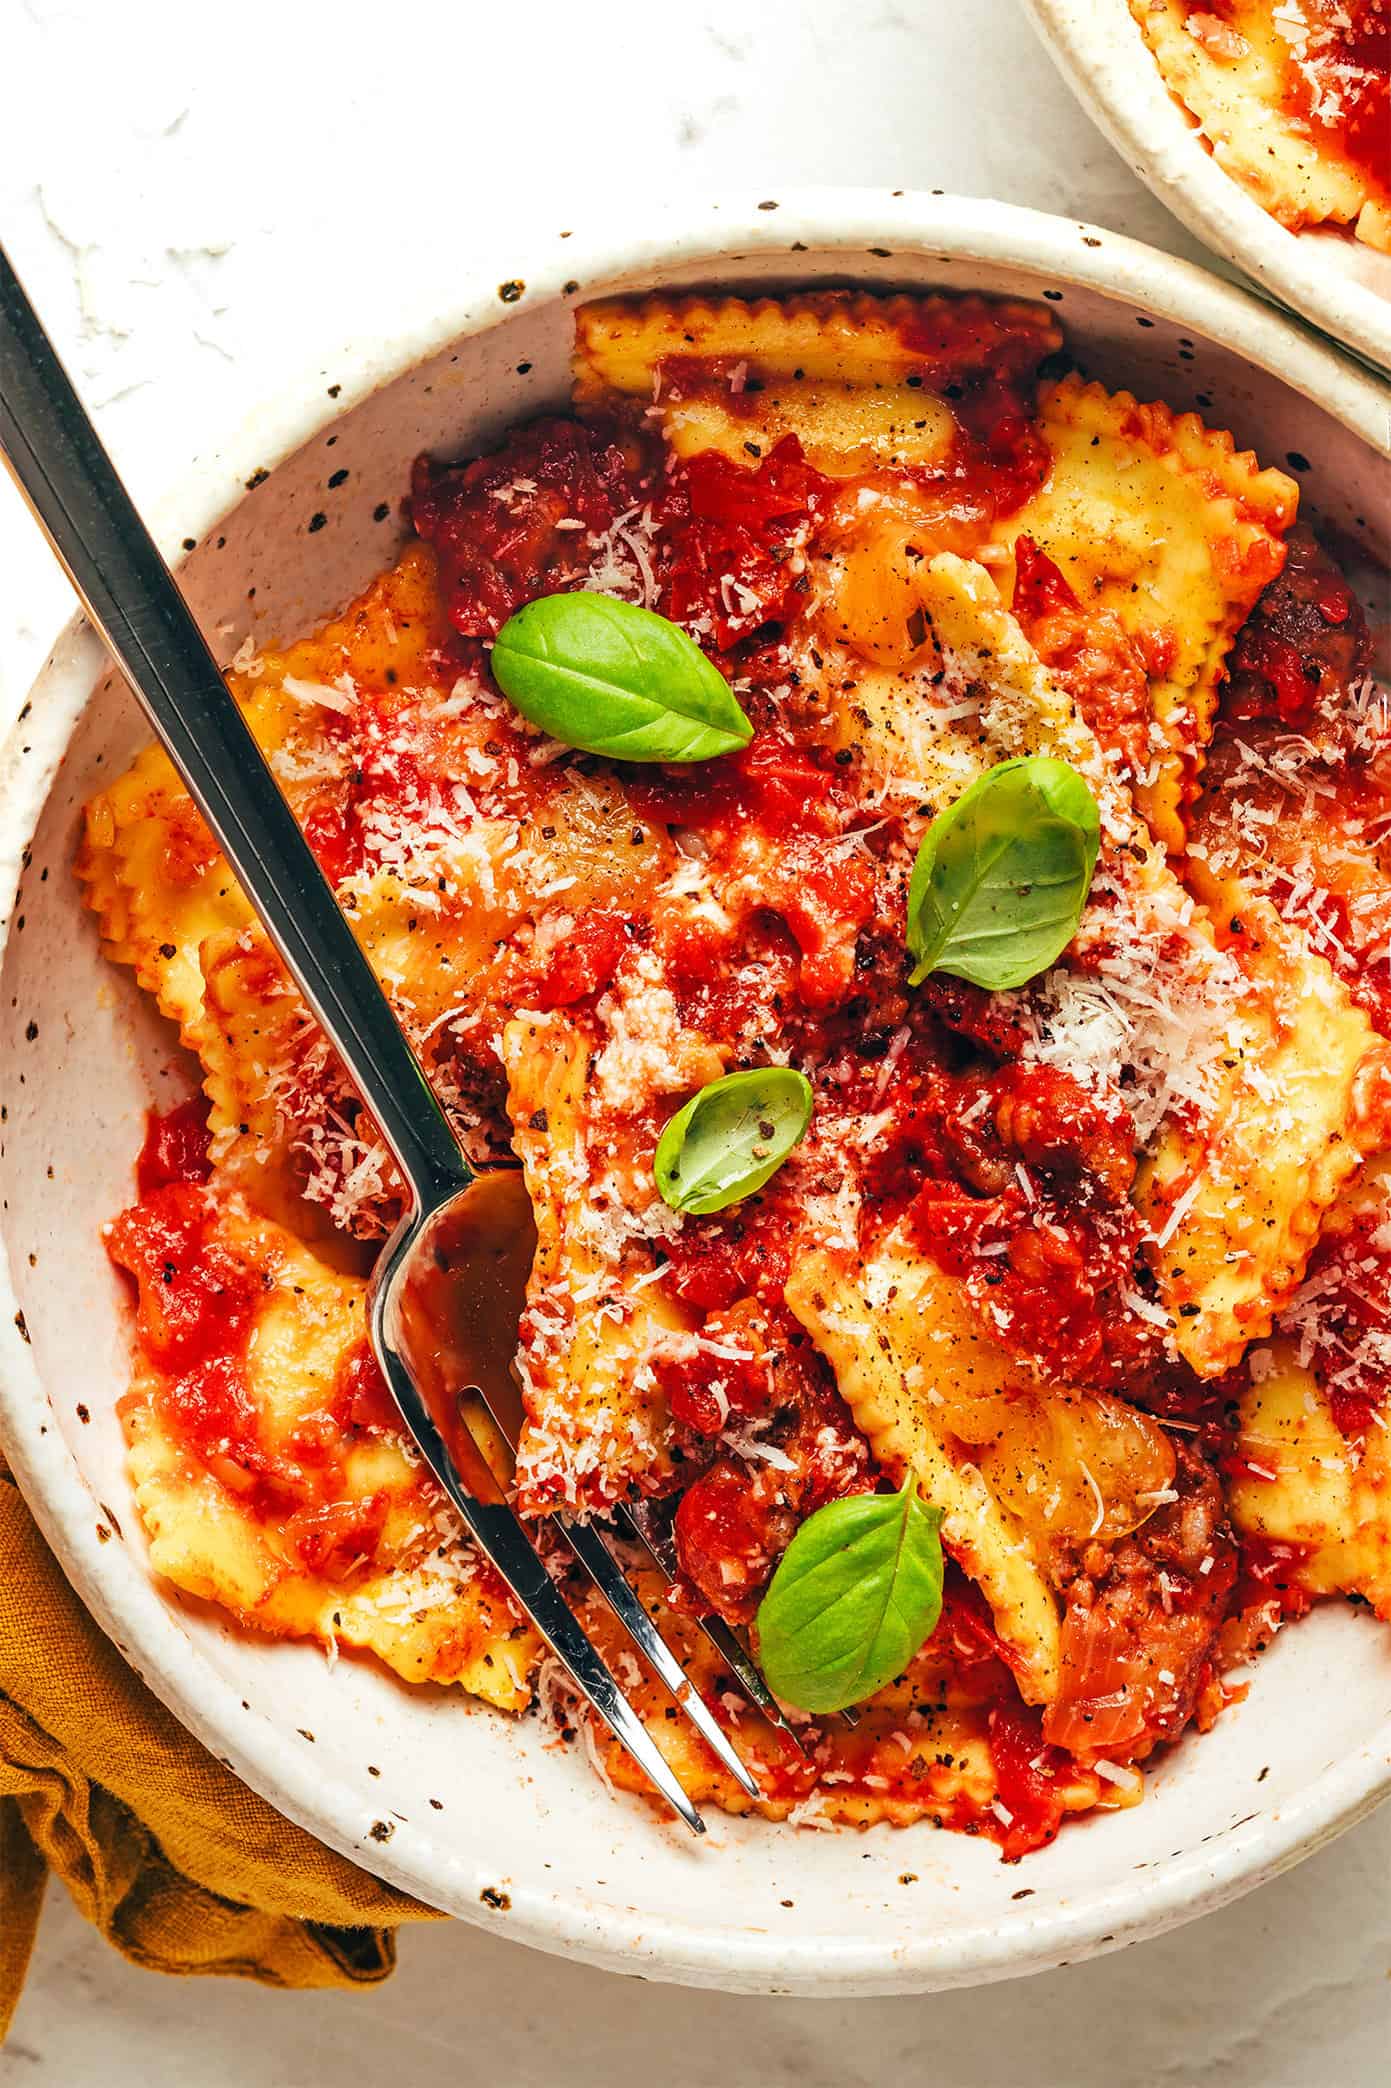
730,559
585,963
1014,1179
1270,1577
1346,103
1026,1780
196,1306
1302,644
175,1148
197,1302
496,522
1349,1338
1101,667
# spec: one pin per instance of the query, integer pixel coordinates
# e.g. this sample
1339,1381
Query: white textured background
197,197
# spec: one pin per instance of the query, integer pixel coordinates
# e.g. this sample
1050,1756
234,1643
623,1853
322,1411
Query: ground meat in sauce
1139,1633
499,524
1303,643
735,1520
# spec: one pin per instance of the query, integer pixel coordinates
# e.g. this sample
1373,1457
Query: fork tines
597,1552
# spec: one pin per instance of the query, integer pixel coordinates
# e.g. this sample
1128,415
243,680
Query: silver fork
60,466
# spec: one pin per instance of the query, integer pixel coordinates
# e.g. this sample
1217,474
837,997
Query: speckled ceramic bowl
470,1811
1340,283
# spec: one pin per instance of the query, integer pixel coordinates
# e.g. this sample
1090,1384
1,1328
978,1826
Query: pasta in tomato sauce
1095,1262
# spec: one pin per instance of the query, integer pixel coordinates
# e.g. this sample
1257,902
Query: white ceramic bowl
576,1870
1340,283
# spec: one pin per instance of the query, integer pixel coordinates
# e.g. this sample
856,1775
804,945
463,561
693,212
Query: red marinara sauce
197,1299
1338,82
1303,643
1270,1577
496,522
175,1148
195,1309
1348,1281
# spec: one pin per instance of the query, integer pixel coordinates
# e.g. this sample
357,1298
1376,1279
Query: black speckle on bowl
511,290
338,478
257,478
381,1830
492,1897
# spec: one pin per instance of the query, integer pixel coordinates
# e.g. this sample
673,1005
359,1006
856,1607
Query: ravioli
1167,525
1271,88
258,1489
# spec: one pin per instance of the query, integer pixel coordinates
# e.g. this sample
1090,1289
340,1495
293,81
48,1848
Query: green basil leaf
1002,876
731,1137
610,678
855,1594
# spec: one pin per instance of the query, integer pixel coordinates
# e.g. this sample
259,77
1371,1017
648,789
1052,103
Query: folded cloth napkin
176,1862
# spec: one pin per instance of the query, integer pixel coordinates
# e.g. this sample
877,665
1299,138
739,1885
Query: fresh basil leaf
1002,876
855,1594
610,678
731,1137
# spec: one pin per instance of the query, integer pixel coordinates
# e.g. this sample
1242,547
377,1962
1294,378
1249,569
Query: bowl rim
117,1587
1095,45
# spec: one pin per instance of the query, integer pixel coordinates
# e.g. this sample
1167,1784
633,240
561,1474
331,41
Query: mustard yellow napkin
176,1862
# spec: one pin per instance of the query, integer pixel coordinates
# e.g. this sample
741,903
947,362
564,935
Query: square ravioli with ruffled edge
1085,1257
1293,98
269,1464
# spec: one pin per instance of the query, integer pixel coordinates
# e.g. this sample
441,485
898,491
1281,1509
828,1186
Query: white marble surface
196,198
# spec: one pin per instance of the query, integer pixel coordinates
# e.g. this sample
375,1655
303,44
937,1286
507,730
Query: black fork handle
58,462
